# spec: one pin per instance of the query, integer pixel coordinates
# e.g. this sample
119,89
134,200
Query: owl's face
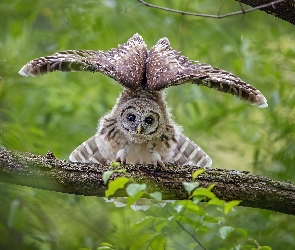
141,120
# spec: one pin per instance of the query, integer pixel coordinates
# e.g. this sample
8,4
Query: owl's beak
139,128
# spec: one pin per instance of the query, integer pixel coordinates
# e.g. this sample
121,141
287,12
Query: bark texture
49,173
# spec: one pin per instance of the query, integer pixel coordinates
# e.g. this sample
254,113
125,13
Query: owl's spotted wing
167,67
88,151
126,64
189,153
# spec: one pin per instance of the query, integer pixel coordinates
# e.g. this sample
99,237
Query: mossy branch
49,173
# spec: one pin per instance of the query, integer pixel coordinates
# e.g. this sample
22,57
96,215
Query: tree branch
86,179
283,9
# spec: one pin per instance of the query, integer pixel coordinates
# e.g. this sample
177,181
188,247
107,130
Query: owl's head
141,119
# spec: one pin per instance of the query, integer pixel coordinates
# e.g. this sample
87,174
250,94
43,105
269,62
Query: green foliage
115,185
191,216
58,111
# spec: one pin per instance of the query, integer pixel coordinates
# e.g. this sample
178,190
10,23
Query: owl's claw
121,156
122,161
158,163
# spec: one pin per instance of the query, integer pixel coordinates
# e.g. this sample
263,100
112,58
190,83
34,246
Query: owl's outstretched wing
189,153
88,151
167,67
125,64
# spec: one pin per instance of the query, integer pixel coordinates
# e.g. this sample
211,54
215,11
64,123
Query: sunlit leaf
106,244
179,208
115,185
217,202
190,186
212,219
134,198
225,231
249,247
265,248
192,246
134,188
204,192
230,205
157,196
160,223
138,242
202,229
106,175
242,232
158,242
115,164
197,173
144,221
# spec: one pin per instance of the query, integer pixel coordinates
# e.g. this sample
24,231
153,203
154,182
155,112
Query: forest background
59,111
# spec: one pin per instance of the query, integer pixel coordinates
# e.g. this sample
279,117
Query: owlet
139,129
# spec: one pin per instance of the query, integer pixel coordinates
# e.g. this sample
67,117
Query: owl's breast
138,154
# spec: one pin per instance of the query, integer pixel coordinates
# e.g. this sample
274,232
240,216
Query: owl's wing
189,153
125,64
167,67
88,151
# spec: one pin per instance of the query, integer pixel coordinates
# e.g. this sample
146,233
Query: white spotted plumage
139,129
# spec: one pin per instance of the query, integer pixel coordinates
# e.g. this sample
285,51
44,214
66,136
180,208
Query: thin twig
243,11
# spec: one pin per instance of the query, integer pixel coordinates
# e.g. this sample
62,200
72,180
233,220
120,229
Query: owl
140,129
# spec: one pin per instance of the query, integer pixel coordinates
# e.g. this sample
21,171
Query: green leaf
115,185
212,219
103,248
160,223
211,187
204,192
106,176
230,205
249,247
197,173
188,205
106,244
242,231
265,248
203,229
190,186
158,242
134,188
134,198
144,221
115,164
192,246
225,231
217,202
139,241
178,207
157,196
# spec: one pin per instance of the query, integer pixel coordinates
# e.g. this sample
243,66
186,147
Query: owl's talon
158,163
122,161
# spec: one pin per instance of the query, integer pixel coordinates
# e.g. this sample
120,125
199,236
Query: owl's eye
149,120
131,118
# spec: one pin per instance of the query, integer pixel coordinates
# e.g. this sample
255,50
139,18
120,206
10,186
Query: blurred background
59,111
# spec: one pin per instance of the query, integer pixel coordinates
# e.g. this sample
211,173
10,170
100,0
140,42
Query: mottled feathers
134,67
139,129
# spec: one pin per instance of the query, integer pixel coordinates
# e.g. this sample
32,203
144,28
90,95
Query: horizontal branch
49,173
